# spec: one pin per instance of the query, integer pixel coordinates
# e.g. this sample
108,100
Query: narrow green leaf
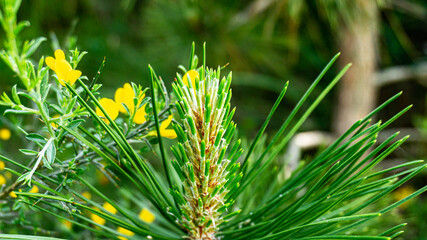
26,237
51,152
157,124
36,138
29,152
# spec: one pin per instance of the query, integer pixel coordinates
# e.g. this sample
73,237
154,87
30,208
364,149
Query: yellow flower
403,192
109,208
2,180
167,133
35,189
8,175
5,134
147,216
62,68
13,194
125,95
124,231
139,117
67,224
110,107
87,195
97,218
54,124
2,165
193,74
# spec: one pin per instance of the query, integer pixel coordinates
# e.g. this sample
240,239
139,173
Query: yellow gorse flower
62,68
402,193
193,74
87,195
13,194
167,133
5,134
35,189
54,124
108,207
139,117
2,165
124,231
125,95
110,107
147,216
67,224
97,218
2,180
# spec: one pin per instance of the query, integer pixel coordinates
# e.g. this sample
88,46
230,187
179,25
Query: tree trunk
357,42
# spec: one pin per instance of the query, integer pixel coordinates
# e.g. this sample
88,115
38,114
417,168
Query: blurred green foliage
265,42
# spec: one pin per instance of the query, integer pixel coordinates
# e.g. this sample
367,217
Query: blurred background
265,43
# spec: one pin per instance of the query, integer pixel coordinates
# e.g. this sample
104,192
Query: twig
9,189
401,73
